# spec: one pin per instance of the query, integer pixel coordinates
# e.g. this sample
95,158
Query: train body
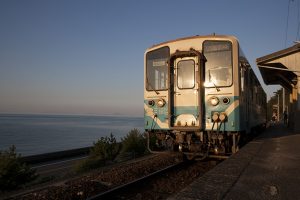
200,96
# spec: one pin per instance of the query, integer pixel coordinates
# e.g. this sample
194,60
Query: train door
186,92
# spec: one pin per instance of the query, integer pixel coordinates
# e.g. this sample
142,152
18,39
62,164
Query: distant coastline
82,115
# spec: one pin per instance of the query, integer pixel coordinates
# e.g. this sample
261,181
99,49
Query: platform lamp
277,93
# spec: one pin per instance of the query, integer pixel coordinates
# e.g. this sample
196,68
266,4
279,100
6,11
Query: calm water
35,134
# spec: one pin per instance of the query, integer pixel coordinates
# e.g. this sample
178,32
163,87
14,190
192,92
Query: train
201,97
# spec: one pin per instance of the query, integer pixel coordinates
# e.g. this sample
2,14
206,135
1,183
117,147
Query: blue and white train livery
200,96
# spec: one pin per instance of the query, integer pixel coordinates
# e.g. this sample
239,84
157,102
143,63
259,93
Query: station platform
268,167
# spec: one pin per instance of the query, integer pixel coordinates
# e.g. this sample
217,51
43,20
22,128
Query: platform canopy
281,67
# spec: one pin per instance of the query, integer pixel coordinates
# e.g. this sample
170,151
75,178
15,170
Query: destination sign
217,46
159,63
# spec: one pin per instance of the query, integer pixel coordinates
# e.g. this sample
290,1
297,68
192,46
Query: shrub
135,142
14,172
106,148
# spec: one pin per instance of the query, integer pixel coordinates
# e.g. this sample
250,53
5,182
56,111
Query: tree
14,172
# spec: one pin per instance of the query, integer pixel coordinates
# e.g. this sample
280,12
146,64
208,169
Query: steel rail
107,194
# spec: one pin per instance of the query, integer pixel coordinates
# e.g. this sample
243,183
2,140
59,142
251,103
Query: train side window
242,79
186,74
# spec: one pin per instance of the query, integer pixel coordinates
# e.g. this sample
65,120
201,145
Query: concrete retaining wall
34,159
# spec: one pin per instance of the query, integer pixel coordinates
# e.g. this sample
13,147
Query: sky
86,56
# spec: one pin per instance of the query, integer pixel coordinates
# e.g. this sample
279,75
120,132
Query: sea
38,134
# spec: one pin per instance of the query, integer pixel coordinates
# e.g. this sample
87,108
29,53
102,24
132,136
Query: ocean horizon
43,133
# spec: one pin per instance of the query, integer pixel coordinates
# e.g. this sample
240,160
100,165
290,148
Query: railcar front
191,98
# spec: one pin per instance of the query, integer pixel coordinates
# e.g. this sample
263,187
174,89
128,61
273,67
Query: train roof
194,37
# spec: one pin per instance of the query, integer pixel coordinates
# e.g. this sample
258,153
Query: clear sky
86,56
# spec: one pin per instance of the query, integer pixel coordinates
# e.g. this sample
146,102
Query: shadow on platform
276,130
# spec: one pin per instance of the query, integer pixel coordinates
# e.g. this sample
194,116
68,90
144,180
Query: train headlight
161,102
214,101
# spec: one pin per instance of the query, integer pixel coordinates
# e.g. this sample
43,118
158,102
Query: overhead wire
298,18
297,23
287,24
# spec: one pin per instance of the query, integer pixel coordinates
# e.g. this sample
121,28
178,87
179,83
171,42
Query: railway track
96,181
152,177
117,191
160,184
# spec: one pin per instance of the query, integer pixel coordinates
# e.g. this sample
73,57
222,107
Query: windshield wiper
218,89
148,82
210,80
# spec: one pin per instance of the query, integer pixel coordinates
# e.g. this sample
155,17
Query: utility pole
283,100
278,115
278,109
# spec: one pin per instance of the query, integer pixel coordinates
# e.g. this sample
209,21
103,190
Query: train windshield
218,68
157,69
